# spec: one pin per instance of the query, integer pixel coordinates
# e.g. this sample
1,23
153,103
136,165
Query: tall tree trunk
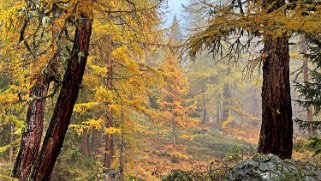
226,101
109,149
277,126
204,117
11,142
122,145
84,146
95,142
204,120
255,106
219,109
218,112
31,136
65,103
174,132
304,50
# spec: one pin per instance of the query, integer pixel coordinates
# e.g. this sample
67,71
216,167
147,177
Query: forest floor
207,145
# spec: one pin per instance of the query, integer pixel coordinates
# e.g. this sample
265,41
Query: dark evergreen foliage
311,91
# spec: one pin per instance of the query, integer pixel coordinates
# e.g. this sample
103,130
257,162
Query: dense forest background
91,90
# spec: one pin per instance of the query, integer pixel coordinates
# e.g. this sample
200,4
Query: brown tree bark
11,141
31,136
95,142
122,146
65,103
84,146
109,149
277,126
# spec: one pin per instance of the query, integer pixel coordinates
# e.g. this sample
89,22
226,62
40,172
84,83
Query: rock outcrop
270,167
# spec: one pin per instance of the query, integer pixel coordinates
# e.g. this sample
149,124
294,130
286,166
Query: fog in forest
160,90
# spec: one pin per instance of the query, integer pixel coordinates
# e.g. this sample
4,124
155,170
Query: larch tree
47,48
30,39
215,81
273,21
109,148
119,78
173,104
44,74
35,29
72,80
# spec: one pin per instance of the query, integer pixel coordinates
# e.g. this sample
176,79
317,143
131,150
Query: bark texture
65,103
31,136
109,138
109,149
84,146
95,142
277,126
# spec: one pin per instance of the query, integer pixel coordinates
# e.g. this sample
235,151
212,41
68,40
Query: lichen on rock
271,167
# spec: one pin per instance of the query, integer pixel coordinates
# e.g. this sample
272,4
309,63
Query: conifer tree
40,81
119,79
173,104
304,51
310,91
68,95
253,19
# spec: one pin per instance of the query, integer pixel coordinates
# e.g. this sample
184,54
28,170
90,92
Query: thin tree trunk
95,142
255,110
174,132
304,50
122,146
219,110
109,149
204,118
226,101
11,142
84,146
65,103
204,114
277,126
